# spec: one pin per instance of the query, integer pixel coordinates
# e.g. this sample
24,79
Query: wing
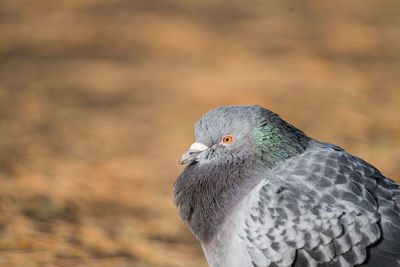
386,252
324,208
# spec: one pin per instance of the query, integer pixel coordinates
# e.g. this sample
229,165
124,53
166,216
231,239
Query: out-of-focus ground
98,100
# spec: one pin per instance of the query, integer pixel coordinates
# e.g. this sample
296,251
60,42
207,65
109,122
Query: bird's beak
193,152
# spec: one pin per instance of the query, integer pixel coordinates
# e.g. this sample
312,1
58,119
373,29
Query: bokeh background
98,99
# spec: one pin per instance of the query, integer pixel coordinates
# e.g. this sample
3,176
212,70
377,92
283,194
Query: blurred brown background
98,99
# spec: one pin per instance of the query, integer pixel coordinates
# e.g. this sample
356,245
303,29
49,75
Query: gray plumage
271,196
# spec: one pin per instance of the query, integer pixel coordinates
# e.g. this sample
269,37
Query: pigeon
257,191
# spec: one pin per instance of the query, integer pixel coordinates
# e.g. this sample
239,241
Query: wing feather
324,208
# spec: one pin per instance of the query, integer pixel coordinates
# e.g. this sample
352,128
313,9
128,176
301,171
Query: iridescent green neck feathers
277,140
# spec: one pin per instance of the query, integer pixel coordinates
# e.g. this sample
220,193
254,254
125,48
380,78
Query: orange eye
227,139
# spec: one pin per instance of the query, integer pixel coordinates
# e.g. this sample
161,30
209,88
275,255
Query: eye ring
227,139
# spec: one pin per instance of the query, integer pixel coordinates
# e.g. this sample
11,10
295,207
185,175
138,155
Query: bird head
223,133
